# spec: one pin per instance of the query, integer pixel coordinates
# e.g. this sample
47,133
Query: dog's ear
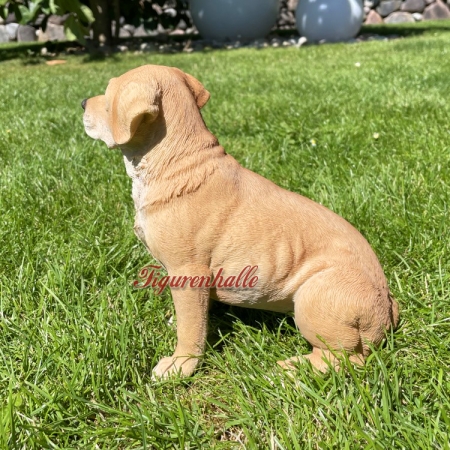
199,92
131,103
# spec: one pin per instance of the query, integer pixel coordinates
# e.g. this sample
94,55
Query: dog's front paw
182,366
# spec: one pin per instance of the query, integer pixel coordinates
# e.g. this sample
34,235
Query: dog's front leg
191,308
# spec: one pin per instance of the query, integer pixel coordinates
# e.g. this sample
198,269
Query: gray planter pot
330,20
234,19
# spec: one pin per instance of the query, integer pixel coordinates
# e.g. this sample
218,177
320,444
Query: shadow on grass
224,317
24,50
96,56
30,51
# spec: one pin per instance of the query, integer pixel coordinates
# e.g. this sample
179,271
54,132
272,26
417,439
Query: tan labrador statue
200,213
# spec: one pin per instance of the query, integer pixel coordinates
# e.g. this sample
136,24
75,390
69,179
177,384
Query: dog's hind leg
340,309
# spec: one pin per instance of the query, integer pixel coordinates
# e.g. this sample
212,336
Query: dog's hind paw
320,359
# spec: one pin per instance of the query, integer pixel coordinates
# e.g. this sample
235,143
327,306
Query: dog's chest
139,195
138,186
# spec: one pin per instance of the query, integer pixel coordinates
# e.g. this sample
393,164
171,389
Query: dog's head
133,101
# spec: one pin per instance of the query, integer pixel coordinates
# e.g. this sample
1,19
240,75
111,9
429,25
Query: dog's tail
394,310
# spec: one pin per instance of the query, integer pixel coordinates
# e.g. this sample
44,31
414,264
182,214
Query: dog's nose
83,103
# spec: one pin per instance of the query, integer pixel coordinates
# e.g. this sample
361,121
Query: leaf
87,14
25,13
53,7
74,30
69,5
4,12
35,10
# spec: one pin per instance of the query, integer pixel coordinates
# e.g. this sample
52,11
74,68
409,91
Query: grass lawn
371,141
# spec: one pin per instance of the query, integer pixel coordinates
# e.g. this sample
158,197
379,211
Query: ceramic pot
234,19
329,20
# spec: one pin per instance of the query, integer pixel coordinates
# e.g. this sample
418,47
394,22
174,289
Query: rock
148,47
387,7
378,38
257,43
26,33
58,20
157,8
417,17
11,18
12,28
286,17
130,28
2,21
124,33
140,31
42,36
176,32
429,2
275,42
371,3
39,20
413,6
373,18
302,41
399,17
160,29
182,25
436,11
166,49
171,12
4,36
292,5
55,32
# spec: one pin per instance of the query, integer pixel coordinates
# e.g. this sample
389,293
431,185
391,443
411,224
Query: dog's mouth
98,131
88,126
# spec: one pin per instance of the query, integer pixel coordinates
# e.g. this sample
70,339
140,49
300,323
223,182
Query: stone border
376,12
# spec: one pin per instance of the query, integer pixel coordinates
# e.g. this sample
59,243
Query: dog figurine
199,213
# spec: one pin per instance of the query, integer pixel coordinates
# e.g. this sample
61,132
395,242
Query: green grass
77,342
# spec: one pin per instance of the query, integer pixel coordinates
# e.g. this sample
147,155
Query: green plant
75,27
99,15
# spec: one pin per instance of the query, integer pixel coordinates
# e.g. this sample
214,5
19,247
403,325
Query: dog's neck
138,187
172,163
